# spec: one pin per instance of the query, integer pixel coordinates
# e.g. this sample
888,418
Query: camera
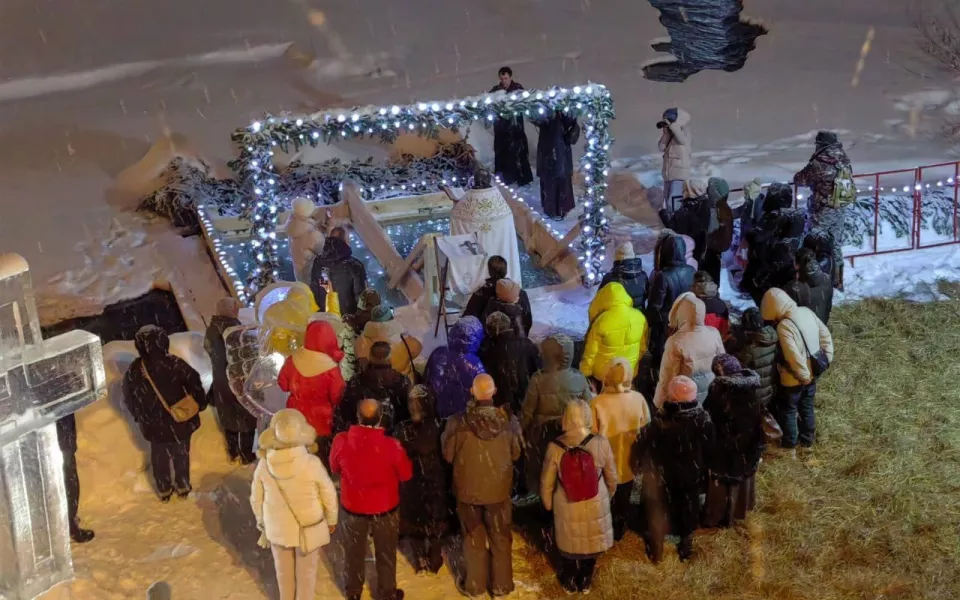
661,124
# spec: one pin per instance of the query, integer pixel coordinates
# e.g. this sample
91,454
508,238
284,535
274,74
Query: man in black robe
510,147
558,134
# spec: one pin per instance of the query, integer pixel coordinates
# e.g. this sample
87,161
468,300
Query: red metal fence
918,190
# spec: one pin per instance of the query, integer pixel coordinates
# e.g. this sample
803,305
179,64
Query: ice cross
40,382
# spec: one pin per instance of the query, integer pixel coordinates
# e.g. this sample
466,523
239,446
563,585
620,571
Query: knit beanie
717,189
498,323
726,364
694,188
681,389
483,388
508,291
380,353
381,313
624,252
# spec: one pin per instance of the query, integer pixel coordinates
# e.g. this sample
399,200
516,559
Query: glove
661,124
670,115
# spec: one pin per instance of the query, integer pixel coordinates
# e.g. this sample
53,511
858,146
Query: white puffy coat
675,145
690,350
305,241
800,333
581,528
309,490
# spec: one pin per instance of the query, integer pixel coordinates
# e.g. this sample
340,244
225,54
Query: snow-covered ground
88,85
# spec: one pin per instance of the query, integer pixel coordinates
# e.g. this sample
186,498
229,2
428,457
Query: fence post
956,175
917,206
876,213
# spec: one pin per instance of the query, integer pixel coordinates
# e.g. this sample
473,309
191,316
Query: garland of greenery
254,166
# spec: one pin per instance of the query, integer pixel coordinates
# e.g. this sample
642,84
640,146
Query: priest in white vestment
484,211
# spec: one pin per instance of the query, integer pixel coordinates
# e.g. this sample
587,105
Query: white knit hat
624,251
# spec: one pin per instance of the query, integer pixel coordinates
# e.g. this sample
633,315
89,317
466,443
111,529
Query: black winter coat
820,291
554,146
423,498
511,150
232,415
511,360
821,242
380,382
513,311
347,274
672,276
630,274
675,446
173,377
692,219
758,352
488,291
738,426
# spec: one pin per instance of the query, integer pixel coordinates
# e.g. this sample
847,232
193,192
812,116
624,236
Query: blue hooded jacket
451,368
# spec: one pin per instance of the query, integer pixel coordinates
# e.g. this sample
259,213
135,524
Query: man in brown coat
483,443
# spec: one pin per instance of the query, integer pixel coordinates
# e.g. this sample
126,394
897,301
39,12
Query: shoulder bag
819,363
417,378
182,410
311,536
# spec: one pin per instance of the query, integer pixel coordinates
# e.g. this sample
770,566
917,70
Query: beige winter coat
309,490
581,528
401,359
800,332
619,417
305,240
690,350
675,145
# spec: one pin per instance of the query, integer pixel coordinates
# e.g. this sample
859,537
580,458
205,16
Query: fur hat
624,252
380,353
681,389
381,313
694,188
753,189
508,291
726,364
483,388
228,307
288,429
303,207
717,189
369,298
826,138
618,376
498,323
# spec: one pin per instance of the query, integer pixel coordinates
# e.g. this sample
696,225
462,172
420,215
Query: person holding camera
677,161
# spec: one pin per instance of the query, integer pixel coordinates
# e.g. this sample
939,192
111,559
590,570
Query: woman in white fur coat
294,501
305,237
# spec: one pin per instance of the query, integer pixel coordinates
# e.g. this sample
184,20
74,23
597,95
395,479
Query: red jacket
371,466
312,377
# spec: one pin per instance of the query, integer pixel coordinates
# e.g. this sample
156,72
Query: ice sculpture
40,382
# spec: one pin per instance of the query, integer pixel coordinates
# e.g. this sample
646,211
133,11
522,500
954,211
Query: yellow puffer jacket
617,329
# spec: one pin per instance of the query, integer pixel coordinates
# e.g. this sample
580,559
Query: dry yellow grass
872,513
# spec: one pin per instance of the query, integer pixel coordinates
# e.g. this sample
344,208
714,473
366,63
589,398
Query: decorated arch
590,103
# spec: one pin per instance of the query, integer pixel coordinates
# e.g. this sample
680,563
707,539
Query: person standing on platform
510,147
674,143
558,134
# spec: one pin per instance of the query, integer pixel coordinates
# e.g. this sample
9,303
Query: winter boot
79,534
685,548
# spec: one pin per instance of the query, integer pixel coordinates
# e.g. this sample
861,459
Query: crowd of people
656,422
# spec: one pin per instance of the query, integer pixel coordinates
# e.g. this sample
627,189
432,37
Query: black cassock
510,147
555,163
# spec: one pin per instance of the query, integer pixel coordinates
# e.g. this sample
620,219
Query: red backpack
578,472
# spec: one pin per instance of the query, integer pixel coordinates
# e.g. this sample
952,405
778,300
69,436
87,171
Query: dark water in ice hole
704,34
404,236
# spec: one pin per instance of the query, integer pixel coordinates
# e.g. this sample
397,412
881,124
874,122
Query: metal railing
887,188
